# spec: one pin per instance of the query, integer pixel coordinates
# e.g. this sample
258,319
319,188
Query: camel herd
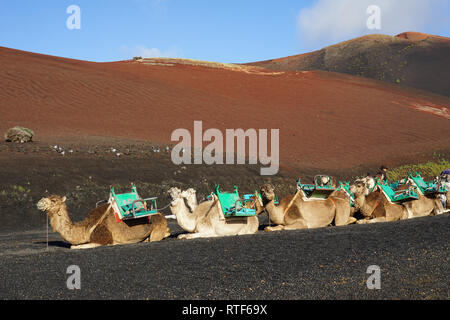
206,219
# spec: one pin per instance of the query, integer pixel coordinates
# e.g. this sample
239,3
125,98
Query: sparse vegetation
429,169
19,135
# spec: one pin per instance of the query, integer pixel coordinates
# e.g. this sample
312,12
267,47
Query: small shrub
19,135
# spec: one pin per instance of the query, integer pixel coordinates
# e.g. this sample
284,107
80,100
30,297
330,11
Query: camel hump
96,214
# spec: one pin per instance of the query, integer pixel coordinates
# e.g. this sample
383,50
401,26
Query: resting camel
206,219
425,205
190,198
303,213
100,227
376,207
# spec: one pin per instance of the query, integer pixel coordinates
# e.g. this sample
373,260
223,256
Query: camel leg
375,220
187,236
297,225
350,220
439,208
363,221
294,226
276,228
85,246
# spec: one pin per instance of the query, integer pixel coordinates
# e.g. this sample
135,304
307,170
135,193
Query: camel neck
61,223
185,219
362,203
276,212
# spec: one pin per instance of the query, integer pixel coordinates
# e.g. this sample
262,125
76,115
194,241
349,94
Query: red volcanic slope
326,120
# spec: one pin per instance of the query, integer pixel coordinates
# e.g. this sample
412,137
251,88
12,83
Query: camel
426,204
100,227
297,212
206,218
376,207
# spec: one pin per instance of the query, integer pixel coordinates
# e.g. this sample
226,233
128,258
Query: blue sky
215,30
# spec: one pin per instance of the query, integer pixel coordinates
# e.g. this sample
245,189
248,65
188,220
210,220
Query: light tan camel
206,220
100,226
297,212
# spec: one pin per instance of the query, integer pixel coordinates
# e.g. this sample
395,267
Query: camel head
190,194
51,204
359,187
267,192
370,183
174,195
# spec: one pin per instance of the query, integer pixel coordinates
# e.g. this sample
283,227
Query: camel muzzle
41,205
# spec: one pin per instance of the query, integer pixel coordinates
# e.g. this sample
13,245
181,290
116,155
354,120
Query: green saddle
316,191
398,196
131,206
233,205
426,188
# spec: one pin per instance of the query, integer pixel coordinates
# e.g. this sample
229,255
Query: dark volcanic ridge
412,59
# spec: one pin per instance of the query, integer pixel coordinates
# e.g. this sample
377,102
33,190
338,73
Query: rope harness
376,205
334,204
292,201
47,232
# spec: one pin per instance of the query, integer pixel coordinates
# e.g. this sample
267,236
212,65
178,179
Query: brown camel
374,206
297,212
100,226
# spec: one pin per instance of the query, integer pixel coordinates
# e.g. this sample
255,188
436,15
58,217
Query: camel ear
64,199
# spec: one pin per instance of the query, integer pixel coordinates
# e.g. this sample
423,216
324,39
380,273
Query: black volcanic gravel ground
325,263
